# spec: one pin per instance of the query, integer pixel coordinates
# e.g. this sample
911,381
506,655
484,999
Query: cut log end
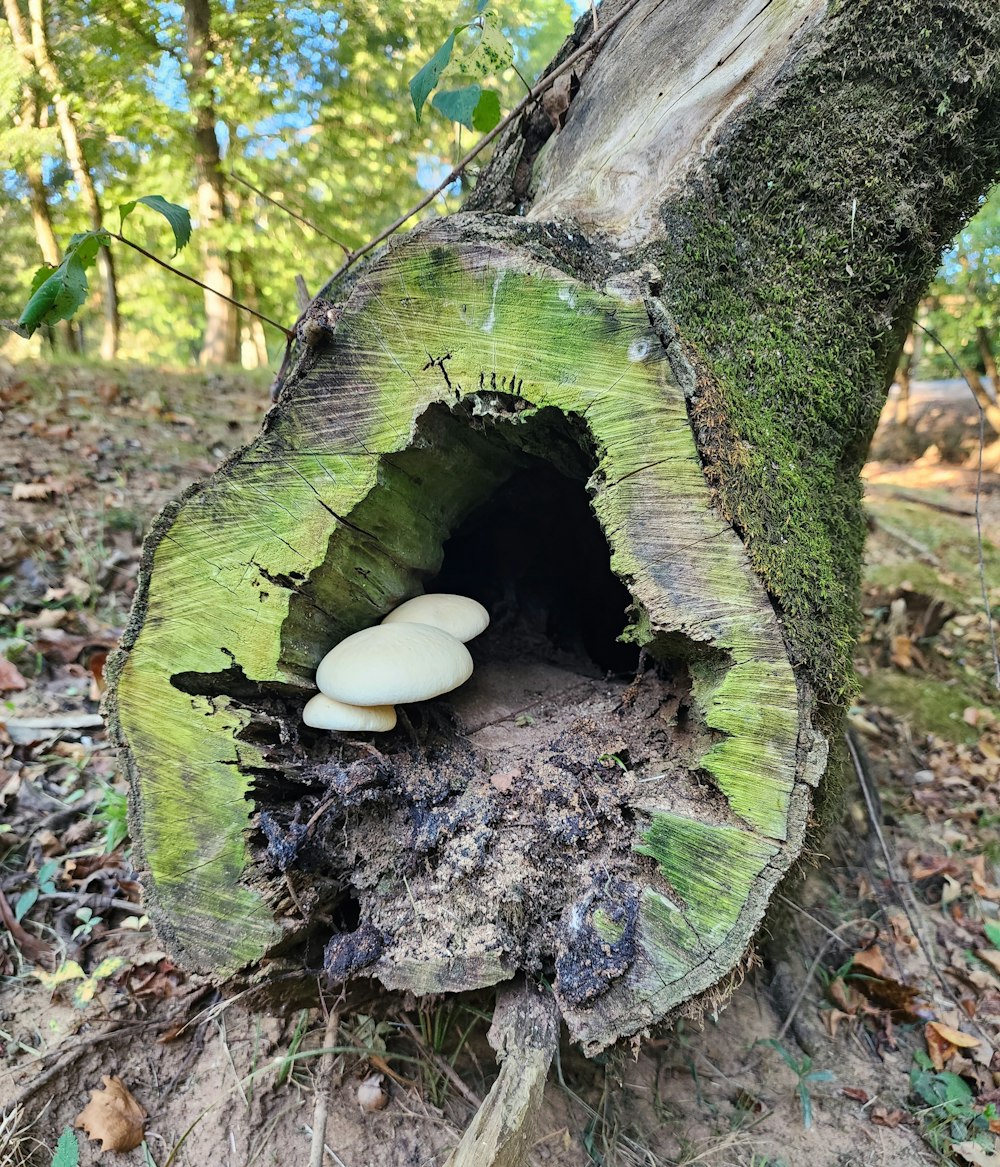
610,819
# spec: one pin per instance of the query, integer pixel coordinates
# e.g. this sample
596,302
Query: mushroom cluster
417,652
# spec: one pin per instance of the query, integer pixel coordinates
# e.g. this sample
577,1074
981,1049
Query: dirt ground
865,1030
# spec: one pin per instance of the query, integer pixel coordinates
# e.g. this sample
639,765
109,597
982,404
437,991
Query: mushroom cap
394,663
323,712
457,615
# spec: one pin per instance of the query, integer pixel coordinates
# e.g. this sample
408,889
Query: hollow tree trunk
636,408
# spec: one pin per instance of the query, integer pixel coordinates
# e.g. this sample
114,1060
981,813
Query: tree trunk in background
984,399
221,344
985,343
628,394
47,70
41,218
907,360
253,350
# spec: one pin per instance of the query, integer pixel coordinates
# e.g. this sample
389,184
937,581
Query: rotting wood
525,1034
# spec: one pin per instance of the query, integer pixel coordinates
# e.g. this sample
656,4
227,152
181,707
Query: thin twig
833,935
325,1085
78,1048
979,490
545,84
288,211
95,902
192,280
440,1064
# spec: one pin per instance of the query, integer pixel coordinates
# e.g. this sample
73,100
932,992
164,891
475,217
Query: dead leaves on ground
113,1117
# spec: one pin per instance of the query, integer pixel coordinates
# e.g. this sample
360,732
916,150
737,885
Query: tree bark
47,70
907,360
221,341
41,218
635,410
984,399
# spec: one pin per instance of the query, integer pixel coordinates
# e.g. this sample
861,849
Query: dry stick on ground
327,1080
77,1049
833,936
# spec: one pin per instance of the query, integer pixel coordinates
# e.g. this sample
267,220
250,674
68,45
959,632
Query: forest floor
865,1033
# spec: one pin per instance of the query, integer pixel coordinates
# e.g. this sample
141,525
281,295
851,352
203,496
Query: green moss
928,705
790,269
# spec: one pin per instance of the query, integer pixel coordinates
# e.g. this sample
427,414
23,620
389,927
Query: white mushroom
394,663
323,712
457,615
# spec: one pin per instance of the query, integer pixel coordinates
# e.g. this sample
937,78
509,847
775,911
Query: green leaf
459,105
956,1089
493,52
487,113
58,297
40,277
176,215
67,1150
424,81
992,932
85,245
25,902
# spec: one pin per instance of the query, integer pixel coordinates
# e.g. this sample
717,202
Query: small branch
456,172
96,903
326,1082
288,334
440,1064
902,887
288,211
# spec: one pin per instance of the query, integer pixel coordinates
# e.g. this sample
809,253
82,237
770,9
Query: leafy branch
589,46
58,293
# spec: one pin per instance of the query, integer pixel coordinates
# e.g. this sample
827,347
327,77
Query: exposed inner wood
653,102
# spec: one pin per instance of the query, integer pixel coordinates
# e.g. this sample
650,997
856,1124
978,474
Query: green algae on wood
449,362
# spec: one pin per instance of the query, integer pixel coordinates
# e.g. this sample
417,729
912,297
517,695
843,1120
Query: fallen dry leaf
902,652
870,959
32,491
855,1093
882,1116
976,1155
955,1036
989,956
113,1117
10,677
556,100
938,1047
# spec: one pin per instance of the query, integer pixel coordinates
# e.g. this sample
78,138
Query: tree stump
683,324
476,421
